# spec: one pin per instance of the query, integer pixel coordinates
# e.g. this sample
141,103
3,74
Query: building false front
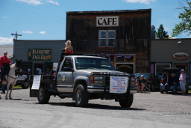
38,53
122,36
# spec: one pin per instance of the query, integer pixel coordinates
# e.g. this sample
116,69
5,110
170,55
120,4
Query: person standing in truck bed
68,47
68,50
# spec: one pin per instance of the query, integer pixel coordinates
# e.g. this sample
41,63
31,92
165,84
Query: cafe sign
180,56
40,54
107,21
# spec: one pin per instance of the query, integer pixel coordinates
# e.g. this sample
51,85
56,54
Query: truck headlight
96,79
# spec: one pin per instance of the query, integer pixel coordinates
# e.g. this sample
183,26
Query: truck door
65,76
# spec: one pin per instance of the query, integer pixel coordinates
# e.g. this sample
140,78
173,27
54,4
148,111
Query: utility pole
16,35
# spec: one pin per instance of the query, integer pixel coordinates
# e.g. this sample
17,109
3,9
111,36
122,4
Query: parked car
23,81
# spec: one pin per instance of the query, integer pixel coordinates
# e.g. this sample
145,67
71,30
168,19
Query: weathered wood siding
133,34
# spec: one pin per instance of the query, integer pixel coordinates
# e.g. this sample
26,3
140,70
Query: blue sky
46,19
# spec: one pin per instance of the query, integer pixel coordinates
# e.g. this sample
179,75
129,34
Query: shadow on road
16,99
182,94
13,99
97,106
179,94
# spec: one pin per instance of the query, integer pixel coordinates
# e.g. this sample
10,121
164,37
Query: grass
17,87
189,91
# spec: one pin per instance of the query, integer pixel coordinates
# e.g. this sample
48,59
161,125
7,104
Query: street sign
36,82
118,84
40,54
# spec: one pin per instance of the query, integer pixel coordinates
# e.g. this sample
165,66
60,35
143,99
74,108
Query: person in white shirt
182,80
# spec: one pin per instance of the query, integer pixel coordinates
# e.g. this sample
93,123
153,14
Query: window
93,63
107,38
67,65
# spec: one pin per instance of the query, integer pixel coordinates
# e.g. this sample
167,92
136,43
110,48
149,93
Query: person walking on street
141,83
182,81
4,66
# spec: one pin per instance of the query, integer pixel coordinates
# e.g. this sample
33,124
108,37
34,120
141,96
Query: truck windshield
93,63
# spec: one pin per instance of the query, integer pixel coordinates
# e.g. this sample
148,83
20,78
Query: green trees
185,23
161,33
153,32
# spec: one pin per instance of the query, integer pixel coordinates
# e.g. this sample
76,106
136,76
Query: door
182,66
65,76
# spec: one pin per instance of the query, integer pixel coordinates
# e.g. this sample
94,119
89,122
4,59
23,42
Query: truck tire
127,101
80,96
43,96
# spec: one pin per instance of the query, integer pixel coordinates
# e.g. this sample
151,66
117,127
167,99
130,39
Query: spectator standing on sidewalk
164,82
182,80
4,62
141,83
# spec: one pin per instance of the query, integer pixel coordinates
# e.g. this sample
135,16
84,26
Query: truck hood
101,71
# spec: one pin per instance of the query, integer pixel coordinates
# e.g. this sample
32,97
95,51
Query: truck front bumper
101,89
96,89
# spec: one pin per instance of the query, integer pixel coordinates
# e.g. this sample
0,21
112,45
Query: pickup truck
83,78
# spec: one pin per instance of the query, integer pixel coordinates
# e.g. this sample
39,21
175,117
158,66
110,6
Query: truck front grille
107,81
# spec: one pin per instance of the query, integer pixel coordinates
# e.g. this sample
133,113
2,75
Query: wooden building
123,36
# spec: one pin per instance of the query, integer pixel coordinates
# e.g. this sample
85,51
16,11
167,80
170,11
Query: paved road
152,110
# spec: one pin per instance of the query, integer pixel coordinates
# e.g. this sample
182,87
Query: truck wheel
43,96
81,96
127,101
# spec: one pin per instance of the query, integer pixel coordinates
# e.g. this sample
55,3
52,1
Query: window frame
68,67
107,38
